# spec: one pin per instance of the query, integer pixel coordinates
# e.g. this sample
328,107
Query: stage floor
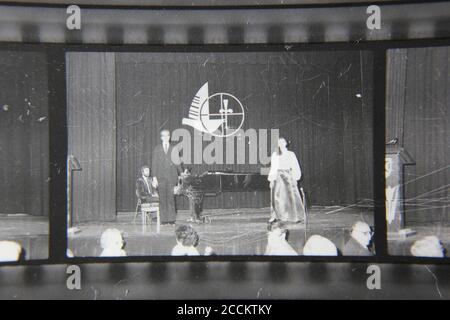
230,232
30,231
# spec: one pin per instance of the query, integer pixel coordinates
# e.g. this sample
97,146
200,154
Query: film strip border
230,280
73,24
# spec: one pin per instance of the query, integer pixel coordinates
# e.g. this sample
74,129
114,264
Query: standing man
165,162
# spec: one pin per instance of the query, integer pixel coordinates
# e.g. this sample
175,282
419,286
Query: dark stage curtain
322,101
92,134
24,151
418,113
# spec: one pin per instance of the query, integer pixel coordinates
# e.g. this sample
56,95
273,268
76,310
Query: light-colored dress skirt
287,204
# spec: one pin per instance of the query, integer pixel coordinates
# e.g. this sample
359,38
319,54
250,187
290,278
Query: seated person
146,187
184,179
185,187
429,246
319,246
187,241
112,243
277,244
10,251
358,245
187,172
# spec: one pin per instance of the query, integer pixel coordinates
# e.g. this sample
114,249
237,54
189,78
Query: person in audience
146,187
112,243
10,251
319,246
209,251
277,244
429,246
69,253
187,241
358,245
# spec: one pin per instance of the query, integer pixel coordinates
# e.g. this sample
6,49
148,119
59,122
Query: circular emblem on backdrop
222,114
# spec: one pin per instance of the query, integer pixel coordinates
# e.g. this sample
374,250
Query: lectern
72,165
396,158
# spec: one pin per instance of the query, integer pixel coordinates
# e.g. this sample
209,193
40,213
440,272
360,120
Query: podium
395,159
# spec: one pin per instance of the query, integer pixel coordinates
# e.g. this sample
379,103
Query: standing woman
287,205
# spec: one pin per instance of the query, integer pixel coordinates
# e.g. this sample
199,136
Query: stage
230,231
30,231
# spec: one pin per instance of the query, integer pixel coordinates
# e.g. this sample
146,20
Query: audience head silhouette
276,240
112,243
319,246
10,251
186,236
277,228
362,233
187,241
429,246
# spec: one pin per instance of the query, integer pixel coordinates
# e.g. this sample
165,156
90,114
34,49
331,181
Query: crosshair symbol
224,112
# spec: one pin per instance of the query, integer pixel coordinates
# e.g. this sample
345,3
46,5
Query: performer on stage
165,164
185,187
287,205
146,187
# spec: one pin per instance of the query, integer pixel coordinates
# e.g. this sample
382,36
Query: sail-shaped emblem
199,113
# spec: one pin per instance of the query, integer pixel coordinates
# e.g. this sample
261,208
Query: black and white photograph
225,157
418,152
201,153
24,156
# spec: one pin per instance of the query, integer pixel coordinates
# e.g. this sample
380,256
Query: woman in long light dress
285,172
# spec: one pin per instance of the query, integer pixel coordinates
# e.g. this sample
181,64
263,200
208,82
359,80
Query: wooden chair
145,210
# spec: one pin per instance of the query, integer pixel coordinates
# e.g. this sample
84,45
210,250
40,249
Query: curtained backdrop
321,101
24,135
91,115
418,113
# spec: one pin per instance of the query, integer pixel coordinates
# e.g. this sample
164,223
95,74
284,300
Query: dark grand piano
213,183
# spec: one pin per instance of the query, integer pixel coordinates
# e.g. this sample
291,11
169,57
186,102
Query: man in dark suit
165,166
146,187
359,242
